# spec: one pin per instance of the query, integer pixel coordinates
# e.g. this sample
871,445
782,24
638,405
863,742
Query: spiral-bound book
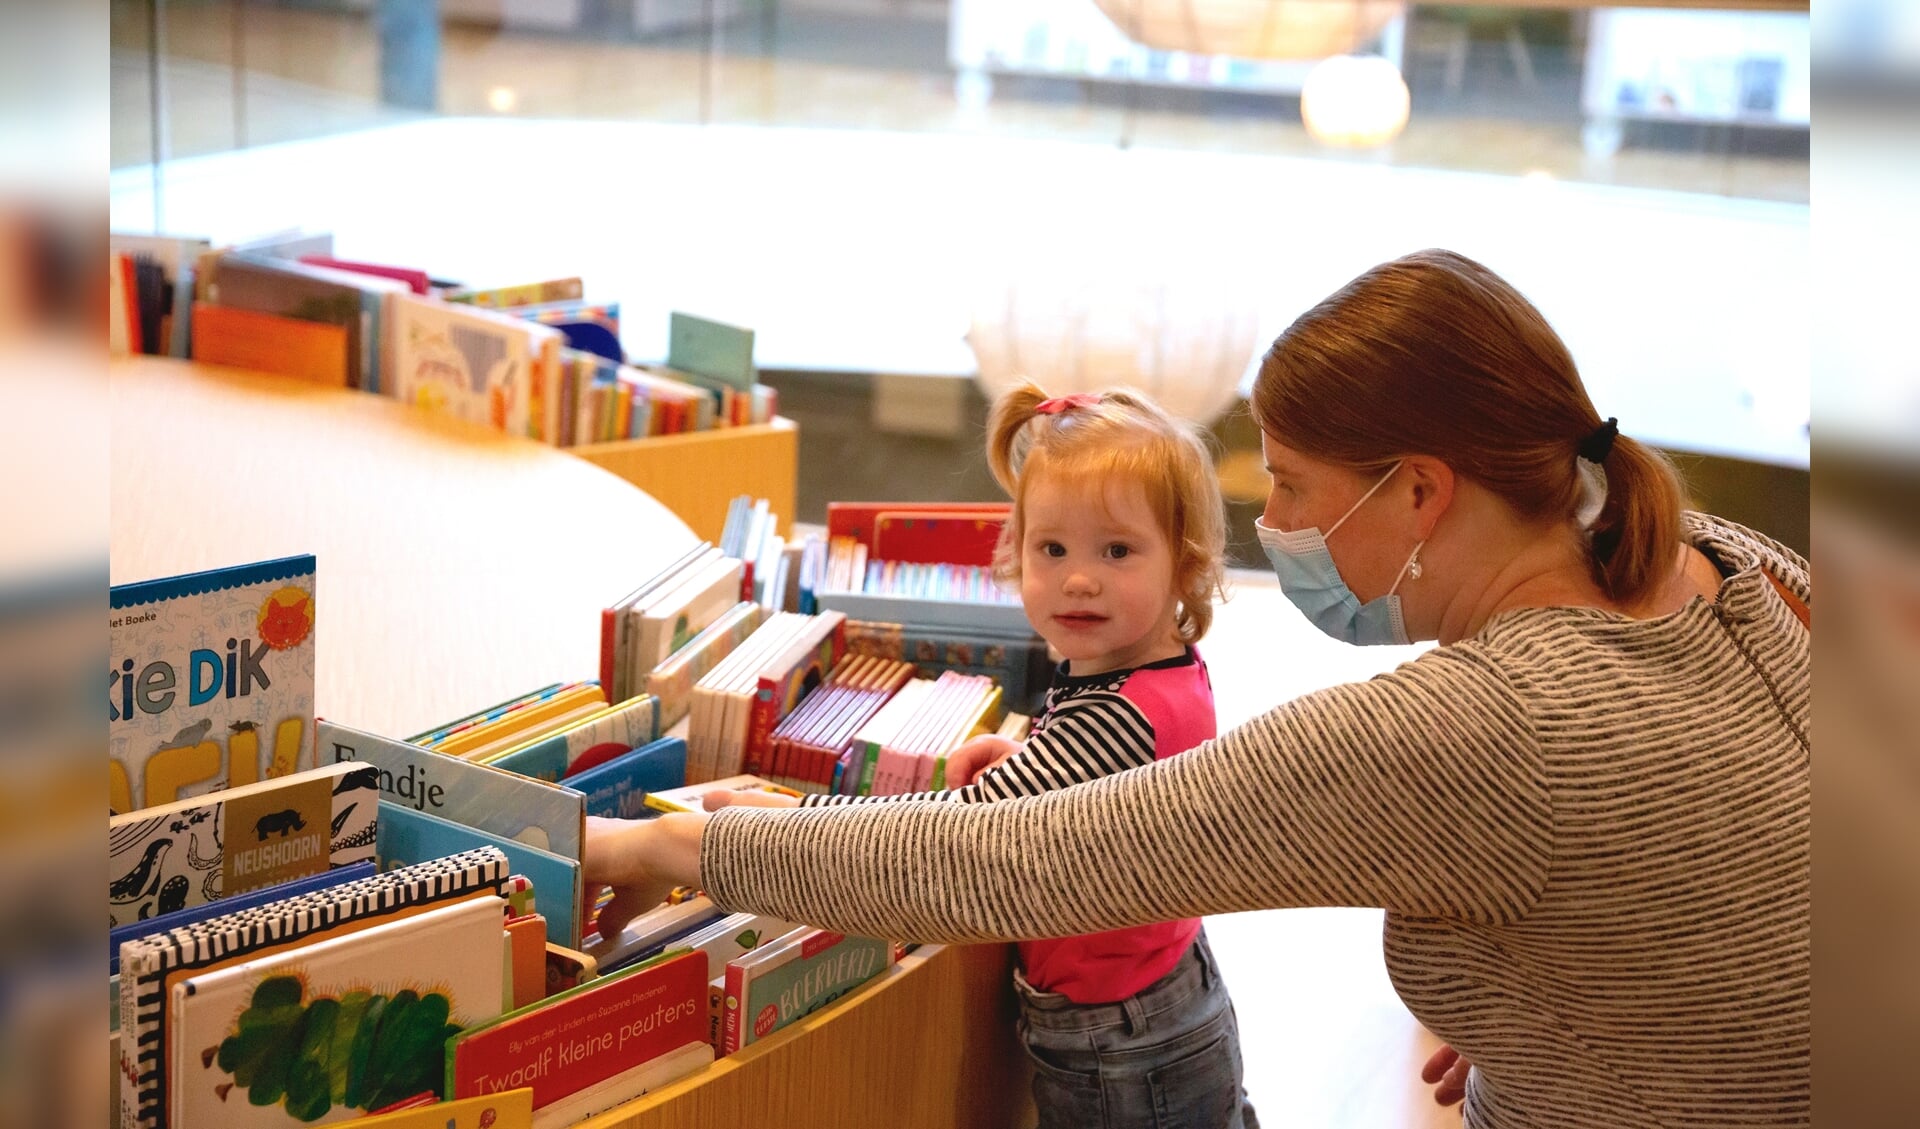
151,966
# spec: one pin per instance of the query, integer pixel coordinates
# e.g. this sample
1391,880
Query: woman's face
1371,546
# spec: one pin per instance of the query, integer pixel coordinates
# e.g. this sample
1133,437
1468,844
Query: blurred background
911,201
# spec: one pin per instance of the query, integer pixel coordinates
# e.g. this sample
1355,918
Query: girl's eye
1117,551
1053,549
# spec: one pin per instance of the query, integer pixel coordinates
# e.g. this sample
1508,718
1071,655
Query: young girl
1115,538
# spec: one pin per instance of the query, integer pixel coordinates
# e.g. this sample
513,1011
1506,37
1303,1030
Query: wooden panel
696,475
930,1045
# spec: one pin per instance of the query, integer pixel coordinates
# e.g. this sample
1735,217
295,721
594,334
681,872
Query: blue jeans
1166,1058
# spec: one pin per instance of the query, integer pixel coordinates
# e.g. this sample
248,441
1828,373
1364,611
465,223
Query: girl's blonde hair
1116,436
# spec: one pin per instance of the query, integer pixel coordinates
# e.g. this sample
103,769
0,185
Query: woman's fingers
1446,1071
1438,1064
749,798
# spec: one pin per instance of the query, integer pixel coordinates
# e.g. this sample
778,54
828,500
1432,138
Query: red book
416,280
585,1036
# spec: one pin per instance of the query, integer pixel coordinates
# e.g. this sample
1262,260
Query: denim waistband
1194,972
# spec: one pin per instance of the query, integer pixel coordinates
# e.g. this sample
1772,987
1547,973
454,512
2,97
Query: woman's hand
971,760
643,860
1446,1072
748,798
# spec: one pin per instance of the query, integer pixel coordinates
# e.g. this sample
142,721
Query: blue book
192,915
619,787
408,836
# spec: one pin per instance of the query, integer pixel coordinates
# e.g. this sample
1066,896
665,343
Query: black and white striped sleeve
1086,737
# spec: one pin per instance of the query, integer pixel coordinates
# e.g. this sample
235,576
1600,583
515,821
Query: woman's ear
1433,484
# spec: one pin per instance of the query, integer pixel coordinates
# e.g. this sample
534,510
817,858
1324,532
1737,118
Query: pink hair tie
1062,403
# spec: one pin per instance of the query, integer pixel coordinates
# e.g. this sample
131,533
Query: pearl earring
1413,565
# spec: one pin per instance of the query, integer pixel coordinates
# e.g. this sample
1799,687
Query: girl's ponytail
1638,530
1011,414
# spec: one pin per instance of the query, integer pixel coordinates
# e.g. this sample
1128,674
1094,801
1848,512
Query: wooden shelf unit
696,474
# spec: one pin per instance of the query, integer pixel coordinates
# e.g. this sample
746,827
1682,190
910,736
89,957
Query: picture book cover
503,729
604,734
860,521
777,984
673,680
409,837
477,365
151,966
548,816
586,1036
329,1031
232,903
165,859
511,1109
523,294
618,788
210,681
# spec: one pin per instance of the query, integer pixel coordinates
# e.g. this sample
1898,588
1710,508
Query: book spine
731,1027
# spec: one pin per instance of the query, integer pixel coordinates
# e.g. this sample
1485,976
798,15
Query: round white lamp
1356,101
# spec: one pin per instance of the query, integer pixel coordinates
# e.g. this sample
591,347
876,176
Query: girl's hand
748,797
643,860
971,760
1446,1072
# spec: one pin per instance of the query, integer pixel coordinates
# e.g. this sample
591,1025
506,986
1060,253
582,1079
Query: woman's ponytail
1638,529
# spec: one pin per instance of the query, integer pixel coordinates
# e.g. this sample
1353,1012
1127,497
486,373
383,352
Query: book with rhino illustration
209,681
199,850
334,1030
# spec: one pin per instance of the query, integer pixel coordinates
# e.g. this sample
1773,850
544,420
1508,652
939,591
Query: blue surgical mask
1308,578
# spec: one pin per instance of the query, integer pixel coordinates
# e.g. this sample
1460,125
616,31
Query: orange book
307,350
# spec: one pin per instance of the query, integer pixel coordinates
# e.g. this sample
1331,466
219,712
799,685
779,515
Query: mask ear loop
1375,489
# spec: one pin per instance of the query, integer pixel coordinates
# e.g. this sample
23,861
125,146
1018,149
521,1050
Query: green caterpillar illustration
364,1050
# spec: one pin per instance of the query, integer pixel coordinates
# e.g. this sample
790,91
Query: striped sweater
1590,834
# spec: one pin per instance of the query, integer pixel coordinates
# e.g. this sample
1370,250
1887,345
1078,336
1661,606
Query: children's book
539,814
672,681
711,349
671,618
618,788
965,532
164,859
792,674
233,903
176,259
356,303
151,966
477,365
512,1109
310,351
651,932
609,1027
415,281
597,737
526,294
722,702
210,682
616,624
408,837
441,733
332,1030
510,726
1018,662
778,983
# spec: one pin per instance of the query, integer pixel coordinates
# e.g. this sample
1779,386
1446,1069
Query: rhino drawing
285,822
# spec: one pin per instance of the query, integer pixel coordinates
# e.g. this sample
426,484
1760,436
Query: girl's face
1096,575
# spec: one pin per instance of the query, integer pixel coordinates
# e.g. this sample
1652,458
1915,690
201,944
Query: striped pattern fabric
1086,730
1590,834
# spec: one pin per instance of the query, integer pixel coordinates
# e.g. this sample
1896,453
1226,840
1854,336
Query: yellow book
541,714
508,1109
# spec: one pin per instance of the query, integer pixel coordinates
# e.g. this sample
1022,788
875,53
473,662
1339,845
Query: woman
1586,812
